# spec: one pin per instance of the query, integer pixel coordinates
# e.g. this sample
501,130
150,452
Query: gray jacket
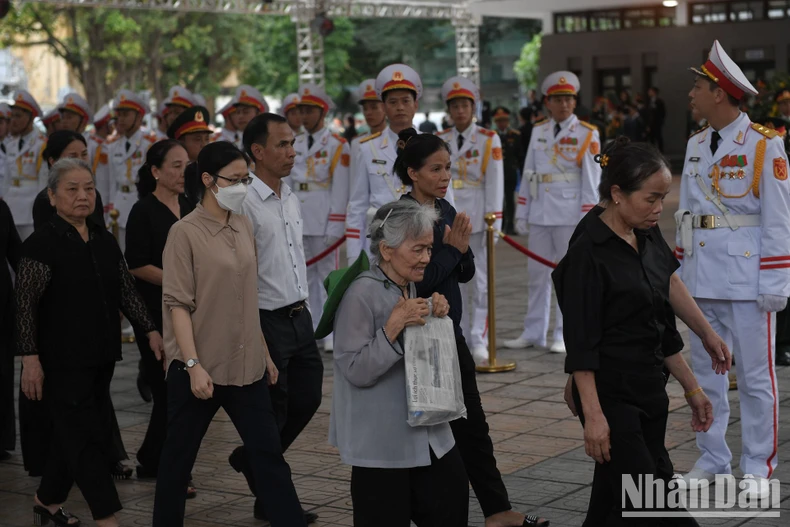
368,422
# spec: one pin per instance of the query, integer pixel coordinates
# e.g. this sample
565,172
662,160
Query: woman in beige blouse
215,352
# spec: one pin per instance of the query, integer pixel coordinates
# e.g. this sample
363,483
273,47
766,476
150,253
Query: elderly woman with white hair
71,281
399,473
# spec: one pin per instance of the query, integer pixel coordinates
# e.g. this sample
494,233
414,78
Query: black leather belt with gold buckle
126,189
292,310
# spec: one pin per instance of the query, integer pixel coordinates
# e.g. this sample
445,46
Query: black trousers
473,442
249,408
432,496
81,441
636,407
656,136
297,394
7,414
509,205
151,449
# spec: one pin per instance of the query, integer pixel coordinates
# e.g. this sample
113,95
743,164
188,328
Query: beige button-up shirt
210,269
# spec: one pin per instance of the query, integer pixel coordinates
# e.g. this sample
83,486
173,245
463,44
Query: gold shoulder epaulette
97,139
700,130
486,131
514,131
541,123
767,132
446,130
588,125
368,138
111,140
339,138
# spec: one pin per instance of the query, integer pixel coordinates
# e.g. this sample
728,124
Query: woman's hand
272,370
411,312
568,396
459,235
32,378
720,356
596,438
701,412
157,344
200,380
441,307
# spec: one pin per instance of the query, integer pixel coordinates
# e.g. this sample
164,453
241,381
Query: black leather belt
291,311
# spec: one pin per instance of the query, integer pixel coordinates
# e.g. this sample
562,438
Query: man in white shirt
282,285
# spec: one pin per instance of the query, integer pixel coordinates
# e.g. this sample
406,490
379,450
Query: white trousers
749,333
316,273
551,243
474,323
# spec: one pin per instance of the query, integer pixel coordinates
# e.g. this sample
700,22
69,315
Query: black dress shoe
144,389
309,517
783,357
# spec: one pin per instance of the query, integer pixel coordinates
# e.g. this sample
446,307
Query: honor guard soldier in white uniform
51,121
320,179
178,100
26,170
102,123
290,110
228,132
127,154
5,117
76,115
373,182
248,102
559,185
478,188
734,245
372,109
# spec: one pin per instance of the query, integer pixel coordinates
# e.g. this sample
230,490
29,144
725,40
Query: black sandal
41,516
534,521
121,472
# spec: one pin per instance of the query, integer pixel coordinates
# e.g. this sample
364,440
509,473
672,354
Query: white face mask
231,198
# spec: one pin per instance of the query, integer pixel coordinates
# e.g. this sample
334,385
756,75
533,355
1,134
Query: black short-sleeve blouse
615,300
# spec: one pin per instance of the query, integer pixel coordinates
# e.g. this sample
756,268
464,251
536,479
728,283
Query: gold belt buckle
125,189
304,187
546,178
457,183
708,221
15,182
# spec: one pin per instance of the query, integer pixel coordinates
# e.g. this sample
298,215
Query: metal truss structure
310,44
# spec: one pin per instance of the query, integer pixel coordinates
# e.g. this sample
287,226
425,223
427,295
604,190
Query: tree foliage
526,67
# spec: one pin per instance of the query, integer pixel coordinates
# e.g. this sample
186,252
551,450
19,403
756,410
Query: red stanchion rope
520,248
326,253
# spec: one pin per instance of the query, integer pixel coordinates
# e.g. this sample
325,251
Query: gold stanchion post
115,230
493,366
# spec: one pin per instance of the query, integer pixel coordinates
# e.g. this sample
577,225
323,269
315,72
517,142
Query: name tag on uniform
541,140
380,161
694,159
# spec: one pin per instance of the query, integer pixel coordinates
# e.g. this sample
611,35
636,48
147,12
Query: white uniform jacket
26,174
478,174
320,179
743,184
561,178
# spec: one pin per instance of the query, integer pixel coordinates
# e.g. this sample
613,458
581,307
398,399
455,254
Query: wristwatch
191,363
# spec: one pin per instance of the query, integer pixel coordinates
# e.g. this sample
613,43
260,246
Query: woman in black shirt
72,280
424,164
160,187
612,287
63,144
10,244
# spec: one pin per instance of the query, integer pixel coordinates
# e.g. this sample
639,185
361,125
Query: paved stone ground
539,445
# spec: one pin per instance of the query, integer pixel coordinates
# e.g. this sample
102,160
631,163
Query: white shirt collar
732,127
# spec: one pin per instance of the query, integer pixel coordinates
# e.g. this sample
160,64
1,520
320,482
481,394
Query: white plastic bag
433,375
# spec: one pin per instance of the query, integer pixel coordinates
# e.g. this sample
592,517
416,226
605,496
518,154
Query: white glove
771,303
521,227
330,240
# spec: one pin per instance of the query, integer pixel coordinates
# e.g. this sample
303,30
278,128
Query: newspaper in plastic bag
433,375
